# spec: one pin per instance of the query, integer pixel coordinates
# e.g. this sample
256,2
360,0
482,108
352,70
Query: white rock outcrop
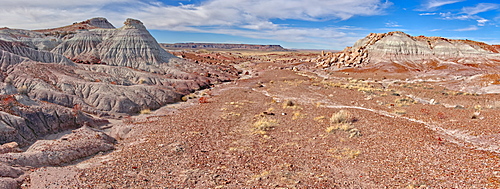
93,68
399,47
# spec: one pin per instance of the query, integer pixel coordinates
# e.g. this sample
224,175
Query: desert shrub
264,124
320,118
297,115
404,101
189,96
340,126
342,121
145,111
288,104
23,90
400,112
344,153
342,116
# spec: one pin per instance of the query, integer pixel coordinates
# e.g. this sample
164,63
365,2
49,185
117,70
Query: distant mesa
398,51
223,46
93,23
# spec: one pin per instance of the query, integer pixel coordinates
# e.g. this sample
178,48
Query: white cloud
392,24
479,8
161,16
234,17
428,14
28,14
59,3
257,13
470,28
482,22
433,4
469,13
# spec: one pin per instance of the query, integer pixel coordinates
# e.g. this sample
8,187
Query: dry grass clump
145,111
320,119
344,153
297,115
342,121
189,96
23,90
404,101
263,125
342,116
400,112
289,104
340,127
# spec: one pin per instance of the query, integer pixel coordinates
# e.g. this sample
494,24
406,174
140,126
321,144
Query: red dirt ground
269,131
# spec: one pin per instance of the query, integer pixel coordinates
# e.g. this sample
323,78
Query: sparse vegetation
339,126
189,96
400,112
23,90
145,111
342,116
320,119
297,115
404,102
141,81
344,153
342,121
290,104
263,125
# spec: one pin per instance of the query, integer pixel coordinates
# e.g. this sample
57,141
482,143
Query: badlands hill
53,80
467,65
412,52
83,74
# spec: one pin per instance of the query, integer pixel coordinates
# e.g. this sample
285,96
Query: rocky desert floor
285,127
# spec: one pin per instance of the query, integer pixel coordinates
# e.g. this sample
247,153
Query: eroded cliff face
88,68
61,79
415,52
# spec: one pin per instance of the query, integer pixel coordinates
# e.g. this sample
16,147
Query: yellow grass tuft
404,102
297,115
264,124
289,104
145,111
340,127
345,153
342,121
320,119
342,116
400,112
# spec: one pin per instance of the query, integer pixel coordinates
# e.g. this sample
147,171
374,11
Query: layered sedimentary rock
80,143
92,69
415,52
61,79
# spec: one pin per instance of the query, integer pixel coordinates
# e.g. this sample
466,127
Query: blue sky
302,24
